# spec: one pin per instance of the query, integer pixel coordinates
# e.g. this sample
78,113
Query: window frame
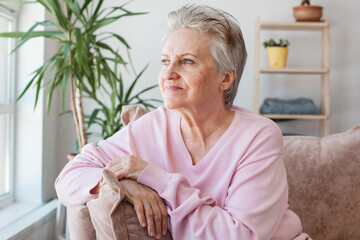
8,107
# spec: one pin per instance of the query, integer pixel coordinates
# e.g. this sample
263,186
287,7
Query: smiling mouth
172,88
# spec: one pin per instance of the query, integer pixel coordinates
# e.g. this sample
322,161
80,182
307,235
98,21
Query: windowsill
18,217
15,211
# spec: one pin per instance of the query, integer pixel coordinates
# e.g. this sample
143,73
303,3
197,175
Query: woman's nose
171,72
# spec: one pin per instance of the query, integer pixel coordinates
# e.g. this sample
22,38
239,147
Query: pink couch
324,183
324,190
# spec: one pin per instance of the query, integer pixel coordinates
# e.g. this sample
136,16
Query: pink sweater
237,191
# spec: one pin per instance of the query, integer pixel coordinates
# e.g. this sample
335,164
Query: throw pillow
132,112
79,223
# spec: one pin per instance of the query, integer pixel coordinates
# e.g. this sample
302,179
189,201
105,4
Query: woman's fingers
127,167
160,215
149,218
149,206
120,174
139,209
157,219
117,166
164,217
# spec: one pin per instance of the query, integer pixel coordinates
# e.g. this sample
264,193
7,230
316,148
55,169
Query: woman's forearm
81,175
244,215
74,184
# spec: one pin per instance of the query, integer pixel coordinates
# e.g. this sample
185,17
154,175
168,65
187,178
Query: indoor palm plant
84,62
107,116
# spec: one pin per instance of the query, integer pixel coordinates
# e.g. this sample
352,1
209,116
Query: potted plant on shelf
84,62
307,12
277,52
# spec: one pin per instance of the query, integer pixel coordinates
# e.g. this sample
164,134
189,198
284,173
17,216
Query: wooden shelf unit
324,115
295,116
295,70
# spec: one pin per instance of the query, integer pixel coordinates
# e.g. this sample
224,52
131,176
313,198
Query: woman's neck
203,124
200,131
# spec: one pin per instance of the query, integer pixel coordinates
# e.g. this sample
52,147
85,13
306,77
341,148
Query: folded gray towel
291,106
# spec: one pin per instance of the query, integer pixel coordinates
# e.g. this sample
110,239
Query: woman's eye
164,61
188,61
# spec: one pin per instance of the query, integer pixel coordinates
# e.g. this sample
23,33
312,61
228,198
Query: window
26,134
7,108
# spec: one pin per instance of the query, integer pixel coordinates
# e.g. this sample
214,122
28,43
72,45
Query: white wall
144,35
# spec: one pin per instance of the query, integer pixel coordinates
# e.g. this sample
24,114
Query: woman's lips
172,88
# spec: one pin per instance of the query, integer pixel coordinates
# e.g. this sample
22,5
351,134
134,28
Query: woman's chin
171,104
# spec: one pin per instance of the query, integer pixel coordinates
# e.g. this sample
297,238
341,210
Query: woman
218,167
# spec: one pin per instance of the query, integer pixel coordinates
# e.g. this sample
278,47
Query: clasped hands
149,206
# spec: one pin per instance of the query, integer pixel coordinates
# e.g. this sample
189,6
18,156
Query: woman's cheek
161,81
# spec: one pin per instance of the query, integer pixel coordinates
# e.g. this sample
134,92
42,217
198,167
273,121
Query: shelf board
293,25
296,116
295,70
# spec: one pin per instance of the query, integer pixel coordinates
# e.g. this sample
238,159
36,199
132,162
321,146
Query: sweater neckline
220,142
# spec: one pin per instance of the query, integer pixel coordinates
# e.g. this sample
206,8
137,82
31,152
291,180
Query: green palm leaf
85,57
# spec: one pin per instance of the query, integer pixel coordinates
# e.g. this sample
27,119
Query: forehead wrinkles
188,41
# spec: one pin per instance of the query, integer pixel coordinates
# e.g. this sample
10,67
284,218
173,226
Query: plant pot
277,56
308,13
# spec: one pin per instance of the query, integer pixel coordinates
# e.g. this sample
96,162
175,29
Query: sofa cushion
323,175
79,222
130,113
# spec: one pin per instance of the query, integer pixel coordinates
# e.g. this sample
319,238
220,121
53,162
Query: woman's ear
228,80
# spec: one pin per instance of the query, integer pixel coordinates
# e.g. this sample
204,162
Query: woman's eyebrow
188,54
181,55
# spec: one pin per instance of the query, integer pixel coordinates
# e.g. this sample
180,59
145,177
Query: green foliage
271,43
76,30
108,116
305,2
84,56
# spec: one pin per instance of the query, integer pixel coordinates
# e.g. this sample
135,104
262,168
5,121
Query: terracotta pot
308,13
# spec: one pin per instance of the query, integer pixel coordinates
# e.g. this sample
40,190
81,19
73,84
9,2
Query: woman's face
189,78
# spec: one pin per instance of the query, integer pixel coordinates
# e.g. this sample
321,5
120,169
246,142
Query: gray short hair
228,46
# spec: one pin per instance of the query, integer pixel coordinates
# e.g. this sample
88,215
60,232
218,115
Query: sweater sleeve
82,174
256,197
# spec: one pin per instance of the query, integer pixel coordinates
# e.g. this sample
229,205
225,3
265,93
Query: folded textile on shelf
289,106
